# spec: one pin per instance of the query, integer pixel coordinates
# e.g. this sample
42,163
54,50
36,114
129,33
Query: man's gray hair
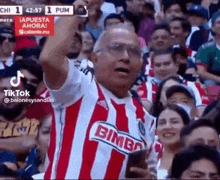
97,46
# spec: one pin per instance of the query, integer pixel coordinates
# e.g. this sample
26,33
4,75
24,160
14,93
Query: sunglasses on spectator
10,39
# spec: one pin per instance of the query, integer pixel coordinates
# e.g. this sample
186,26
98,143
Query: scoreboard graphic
38,20
41,10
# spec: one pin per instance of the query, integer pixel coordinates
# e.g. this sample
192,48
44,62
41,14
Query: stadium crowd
131,90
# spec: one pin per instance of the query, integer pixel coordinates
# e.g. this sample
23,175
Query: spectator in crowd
197,162
35,161
174,9
165,65
30,53
182,94
112,19
33,74
115,71
169,124
180,28
212,113
200,132
17,132
160,96
133,25
160,37
95,24
160,40
186,65
7,45
208,56
198,16
148,23
135,9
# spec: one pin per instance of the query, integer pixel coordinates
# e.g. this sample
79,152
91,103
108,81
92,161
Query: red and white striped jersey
94,130
148,67
147,91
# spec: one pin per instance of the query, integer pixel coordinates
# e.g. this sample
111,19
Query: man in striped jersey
165,66
98,123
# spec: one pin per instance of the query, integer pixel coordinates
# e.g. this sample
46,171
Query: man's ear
93,57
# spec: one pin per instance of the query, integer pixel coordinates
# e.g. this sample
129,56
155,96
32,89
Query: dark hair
180,50
184,23
163,27
33,67
30,65
113,16
185,117
183,160
157,105
169,50
31,53
187,130
7,72
133,19
216,117
182,5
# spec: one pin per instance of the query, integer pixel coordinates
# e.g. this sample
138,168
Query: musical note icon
15,81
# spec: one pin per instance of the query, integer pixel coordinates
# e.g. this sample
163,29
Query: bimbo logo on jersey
121,141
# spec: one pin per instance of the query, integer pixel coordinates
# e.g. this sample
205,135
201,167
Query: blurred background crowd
179,83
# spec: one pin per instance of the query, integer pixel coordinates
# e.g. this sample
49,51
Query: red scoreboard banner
34,25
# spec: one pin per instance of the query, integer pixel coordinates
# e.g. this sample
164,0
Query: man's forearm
209,76
18,144
56,48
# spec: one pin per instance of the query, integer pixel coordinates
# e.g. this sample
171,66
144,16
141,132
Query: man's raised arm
52,58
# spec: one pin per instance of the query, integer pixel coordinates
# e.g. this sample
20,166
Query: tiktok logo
15,81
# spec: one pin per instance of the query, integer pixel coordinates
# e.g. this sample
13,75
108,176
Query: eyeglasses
10,39
118,50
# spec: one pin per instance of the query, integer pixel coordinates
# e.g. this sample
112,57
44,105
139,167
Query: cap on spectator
24,42
7,30
214,17
198,10
180,88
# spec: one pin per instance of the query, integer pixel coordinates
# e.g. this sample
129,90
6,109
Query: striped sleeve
199,92
73,89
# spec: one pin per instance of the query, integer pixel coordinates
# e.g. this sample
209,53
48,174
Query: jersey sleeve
200,93
152,156
196,40
75,86
202,57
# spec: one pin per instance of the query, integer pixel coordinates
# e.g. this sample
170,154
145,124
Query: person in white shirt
98,123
